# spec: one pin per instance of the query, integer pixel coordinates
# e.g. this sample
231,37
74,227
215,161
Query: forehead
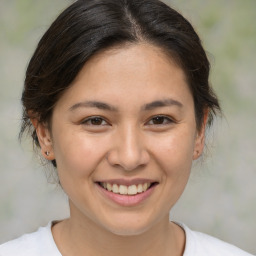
135,73
136,58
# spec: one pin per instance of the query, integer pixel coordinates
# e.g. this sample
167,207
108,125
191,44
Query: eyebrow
146,107
162,103
93,104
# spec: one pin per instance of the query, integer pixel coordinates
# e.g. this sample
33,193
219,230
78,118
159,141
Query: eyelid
84,121
169,119
166,117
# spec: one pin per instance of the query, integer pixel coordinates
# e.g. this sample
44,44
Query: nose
128,151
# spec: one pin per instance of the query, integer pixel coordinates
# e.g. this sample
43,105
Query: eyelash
166,120
94,118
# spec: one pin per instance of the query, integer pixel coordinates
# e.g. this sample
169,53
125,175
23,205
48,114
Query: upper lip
127,182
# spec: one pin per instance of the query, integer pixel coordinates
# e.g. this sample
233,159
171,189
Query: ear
200,138
44,138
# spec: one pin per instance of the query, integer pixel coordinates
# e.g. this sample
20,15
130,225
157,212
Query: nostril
128,156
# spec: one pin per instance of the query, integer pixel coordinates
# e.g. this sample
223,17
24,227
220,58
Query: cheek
77,156
175,152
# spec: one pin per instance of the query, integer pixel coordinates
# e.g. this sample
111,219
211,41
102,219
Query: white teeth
109,187
126,190
145,186
115,188
140,188
122,190
132,190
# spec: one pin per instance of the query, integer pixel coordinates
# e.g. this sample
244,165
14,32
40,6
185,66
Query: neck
76,237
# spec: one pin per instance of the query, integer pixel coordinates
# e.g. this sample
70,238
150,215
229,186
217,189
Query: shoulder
38,243
199,244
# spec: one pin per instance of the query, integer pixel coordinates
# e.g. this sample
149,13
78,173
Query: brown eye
160,120
97,121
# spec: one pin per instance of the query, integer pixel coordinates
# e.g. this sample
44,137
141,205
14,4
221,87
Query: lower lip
126,200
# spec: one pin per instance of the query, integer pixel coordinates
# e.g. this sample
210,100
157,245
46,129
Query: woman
117,99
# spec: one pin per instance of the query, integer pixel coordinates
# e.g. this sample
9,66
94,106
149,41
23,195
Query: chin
126,227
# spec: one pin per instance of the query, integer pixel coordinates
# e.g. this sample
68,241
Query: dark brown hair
90,26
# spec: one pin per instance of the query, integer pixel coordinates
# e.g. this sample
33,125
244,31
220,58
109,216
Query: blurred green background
221,196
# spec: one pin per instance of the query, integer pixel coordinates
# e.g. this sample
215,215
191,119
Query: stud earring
47,153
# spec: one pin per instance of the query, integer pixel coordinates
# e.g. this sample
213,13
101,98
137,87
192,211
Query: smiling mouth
127,190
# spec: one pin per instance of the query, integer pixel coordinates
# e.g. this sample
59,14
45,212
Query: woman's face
124,137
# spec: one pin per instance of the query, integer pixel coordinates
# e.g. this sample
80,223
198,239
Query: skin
127,142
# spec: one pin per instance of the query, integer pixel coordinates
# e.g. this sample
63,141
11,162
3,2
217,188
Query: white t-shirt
41,243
